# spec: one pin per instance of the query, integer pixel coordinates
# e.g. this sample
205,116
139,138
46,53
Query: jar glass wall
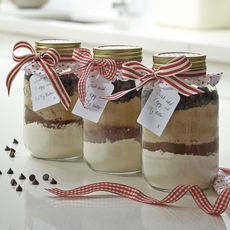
187,152
53,132
113,145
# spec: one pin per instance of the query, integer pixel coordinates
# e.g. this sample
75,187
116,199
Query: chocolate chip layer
31,116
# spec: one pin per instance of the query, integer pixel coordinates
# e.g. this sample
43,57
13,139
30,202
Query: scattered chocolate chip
10,171
53,181
19,188
13,182
7,148
12,150
32,177
15,141
11,154
45,176
22,177
35,182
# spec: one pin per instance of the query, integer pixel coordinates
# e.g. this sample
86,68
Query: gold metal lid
61,45
118,52
197,59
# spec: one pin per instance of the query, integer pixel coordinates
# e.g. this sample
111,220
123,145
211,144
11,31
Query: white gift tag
42,92
95,89
158,109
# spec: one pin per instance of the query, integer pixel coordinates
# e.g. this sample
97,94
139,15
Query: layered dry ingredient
113,145
53,132
187,150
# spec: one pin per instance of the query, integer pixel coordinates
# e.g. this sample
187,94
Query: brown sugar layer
189,127
111,134
31,117
193,101
205,149
55,112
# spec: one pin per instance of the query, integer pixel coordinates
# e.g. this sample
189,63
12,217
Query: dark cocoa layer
31,117
122,86
70,83
205,149
112,134
197,100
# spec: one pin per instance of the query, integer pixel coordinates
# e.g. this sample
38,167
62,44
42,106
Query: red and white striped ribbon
106,67
172,73
176,194
47,60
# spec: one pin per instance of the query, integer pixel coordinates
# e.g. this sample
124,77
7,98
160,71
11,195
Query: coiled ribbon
172,73
47,60
176,194
106,67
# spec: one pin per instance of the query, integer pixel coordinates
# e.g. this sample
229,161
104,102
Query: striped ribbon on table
176,194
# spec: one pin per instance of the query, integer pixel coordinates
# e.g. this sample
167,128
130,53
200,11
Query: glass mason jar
54,132
187,152
113,145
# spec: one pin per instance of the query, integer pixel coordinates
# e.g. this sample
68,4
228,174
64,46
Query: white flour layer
167,170
52,143
117,157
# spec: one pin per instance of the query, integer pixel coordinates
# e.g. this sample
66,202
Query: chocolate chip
10,171
13,182
22,177
45,176
11,154
32,177
0,172
19,188
53,181
7,148
35,182
15,141
12,150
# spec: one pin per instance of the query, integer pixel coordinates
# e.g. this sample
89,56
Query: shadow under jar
54,132
113,145
187,152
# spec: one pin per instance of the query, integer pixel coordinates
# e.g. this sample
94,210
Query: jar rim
197,60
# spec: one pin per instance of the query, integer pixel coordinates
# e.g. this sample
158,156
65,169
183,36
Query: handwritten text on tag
158,109
42,92
95,90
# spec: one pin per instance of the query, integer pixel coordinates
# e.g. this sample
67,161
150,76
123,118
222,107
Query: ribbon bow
106,67
47,60
169,73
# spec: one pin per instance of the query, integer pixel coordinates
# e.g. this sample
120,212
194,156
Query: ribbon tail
182,87
81,86
73,71
122,93
57,84
14,71
118,95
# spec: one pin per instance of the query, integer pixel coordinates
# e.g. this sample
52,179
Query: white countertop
135,31
35,208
